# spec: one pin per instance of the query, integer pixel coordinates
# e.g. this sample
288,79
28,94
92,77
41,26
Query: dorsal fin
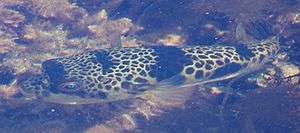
241,35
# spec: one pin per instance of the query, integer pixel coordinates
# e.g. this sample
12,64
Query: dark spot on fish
228,55
230,52
213,56
92,85
148,57
118,74
121,66
125,70
260,49
117,55
235,58
95,74
142,65
107,87
124,57
116,88
143,73
189,70
140,80
99,86
219,62
202,57
135,56
199,52
209,52
210,62
129,77
208,67
125,62
199,64
118,78
194,57
139,69
135,62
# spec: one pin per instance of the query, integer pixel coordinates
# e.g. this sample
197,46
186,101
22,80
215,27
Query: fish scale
113,74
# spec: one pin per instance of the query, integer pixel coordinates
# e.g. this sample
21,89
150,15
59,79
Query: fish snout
34,86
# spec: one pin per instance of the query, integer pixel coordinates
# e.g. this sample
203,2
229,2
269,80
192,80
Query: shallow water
39,30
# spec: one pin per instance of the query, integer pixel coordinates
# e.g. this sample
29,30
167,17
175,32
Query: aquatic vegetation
110,30
7,43
60,10
10,20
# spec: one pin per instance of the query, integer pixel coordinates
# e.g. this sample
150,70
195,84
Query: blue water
269,111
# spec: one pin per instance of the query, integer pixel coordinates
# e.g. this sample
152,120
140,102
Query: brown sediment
4,3
274,107
10,19
61,10
7,43
148,106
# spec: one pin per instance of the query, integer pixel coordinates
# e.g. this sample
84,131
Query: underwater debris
109,32
284,73
131,42
290,73
172,40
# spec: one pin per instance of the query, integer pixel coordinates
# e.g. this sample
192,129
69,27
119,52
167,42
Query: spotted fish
118,73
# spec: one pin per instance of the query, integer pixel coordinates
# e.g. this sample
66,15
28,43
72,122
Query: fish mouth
70,99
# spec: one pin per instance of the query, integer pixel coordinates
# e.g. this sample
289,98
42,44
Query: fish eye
71,86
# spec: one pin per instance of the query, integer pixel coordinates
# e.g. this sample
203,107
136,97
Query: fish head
57,84
34,86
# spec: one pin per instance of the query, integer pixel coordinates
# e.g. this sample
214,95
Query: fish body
118,73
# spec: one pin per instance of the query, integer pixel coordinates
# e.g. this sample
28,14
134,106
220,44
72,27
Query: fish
114,74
